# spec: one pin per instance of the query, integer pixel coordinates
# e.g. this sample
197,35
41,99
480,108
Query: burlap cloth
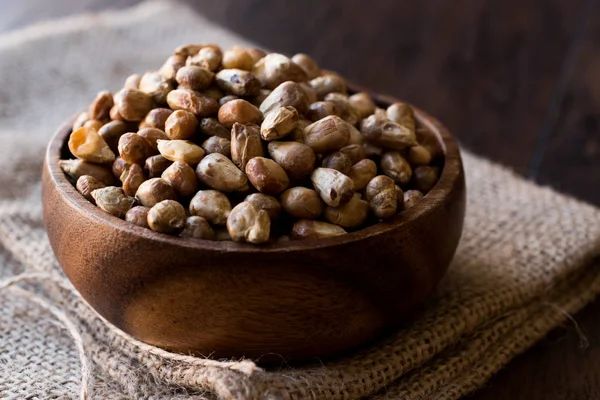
525,262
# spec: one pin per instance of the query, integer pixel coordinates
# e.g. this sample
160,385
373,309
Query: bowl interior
450,165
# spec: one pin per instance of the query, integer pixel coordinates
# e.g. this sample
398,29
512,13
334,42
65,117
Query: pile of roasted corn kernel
247,146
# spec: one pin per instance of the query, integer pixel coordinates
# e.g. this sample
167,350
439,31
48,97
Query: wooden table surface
517,81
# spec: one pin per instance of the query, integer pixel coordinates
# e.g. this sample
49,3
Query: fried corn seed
75,169
319,110
207,57
387,134
248,223
118,167
238,58
212,127
309,92
154,191
363,104
274,69
334,187
255,53
182,178
237,82
260,97
172,65
411,198
197,103
308,229
343,107
326,135
279,123
381,195
265,202
168,216
198,228
86,184
302,203
402,114
134,149
156,118
310,67
287,94
362,172
338,161
211,205
132,81
216,144
355,136
152,136
111,132
181,124
138,215
133,104
87,145
239,111
194,78
354,152
214,93
266,175
220,173
187,50
100,107
245,143
419,155
113,200
132,177
399,197
296,159
156,165
425,178
94,124
396,167
155,85
181,150
350,215
323,85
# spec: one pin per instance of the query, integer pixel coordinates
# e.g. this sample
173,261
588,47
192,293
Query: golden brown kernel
211,205
168,216
87,145
334,187
219,172
302,203
266,175
154,191
308,229
245,143
134,149
112,200
248,223
182,178
238,111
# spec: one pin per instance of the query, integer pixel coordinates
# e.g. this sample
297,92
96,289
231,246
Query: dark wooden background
517,81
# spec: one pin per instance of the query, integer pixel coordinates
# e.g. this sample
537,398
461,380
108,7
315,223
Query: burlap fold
527,257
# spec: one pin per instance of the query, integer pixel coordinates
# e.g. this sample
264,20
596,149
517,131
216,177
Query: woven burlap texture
526,259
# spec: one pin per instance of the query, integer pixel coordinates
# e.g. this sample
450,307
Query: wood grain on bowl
296,299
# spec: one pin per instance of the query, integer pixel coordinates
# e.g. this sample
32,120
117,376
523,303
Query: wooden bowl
296,300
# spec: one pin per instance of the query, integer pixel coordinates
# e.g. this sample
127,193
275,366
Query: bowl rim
452,174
